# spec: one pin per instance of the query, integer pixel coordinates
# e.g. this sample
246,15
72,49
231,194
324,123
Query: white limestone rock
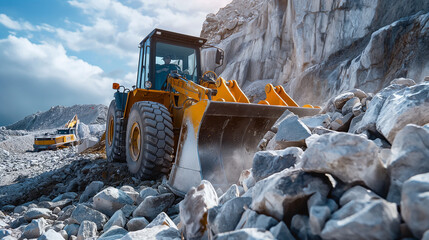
156,232
117,219
115,232
360,219
231,193
320,120
110,200
409,105
193,209
154,205
87,230
35,228
284,194
137,223
291,132
226,217
414,204
51,235
90,190
409,156
404,81
84,213
357,193
351,158
266,163
246,233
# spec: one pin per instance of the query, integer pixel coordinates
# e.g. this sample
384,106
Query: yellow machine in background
190,125
64,137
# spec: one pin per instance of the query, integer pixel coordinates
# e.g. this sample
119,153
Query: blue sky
58,52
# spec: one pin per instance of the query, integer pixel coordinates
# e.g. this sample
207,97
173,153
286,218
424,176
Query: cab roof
159,34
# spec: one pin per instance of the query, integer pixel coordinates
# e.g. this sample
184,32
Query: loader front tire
149,140
115,134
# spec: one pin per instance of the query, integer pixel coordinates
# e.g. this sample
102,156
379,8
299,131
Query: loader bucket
218,140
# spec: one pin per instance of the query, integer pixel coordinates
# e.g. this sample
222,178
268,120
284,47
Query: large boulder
357,193
361,219
115,232
414,204
247,233
90,190
87,230
252,219
409,157
285,194
231,193
349,157
162,219
409,105
266,163
300,226
194,208
369,119
156,232
281,232
118,219
35,228
137,223
146,193
110,200
51,235
291,132
154,205
321,120
226,217
34,213
84,213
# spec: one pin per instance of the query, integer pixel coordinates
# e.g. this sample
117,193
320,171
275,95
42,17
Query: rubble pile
358,170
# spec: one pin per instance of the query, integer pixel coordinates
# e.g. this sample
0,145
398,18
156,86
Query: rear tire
115,134
149,140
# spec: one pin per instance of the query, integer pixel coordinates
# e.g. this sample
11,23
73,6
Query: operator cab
162,53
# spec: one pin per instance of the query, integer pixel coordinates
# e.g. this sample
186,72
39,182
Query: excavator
188,125
63,138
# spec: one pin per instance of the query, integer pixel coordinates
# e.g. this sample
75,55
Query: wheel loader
189,125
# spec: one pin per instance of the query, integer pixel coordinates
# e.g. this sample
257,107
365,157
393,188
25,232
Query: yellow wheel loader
63,138
188,125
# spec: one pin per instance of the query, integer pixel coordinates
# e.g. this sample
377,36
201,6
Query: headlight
148,84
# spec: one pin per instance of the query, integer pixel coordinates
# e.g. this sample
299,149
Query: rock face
409,157
315,48
415,200
349,157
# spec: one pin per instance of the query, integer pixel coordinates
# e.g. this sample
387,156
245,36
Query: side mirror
219,56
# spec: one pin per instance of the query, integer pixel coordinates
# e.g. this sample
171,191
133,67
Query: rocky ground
358,170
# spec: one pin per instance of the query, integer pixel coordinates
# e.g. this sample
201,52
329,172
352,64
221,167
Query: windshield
172,58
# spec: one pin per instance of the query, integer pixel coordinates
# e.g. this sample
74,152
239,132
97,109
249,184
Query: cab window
171,58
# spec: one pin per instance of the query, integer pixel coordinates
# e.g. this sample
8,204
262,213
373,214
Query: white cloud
43,75
118,28
23,25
